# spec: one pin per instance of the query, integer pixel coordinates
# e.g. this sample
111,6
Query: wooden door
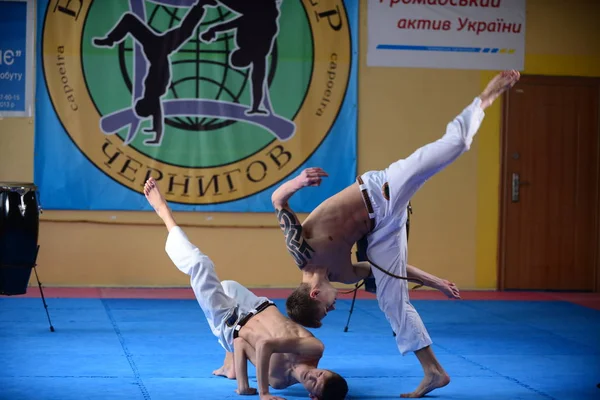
549,205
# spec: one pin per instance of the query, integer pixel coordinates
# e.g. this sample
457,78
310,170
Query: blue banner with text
13,57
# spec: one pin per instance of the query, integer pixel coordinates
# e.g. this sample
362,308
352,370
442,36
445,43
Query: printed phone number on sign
10,97
7,105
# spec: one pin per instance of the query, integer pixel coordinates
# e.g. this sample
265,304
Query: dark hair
335,388
302,309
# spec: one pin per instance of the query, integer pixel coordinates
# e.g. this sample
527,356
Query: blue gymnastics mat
163,349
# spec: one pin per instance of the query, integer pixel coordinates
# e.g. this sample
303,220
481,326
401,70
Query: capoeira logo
220,98
152,75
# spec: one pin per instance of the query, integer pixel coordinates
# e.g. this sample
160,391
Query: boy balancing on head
249,327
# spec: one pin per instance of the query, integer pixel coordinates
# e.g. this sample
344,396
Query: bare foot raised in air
432,381
157,201
498,85
154,197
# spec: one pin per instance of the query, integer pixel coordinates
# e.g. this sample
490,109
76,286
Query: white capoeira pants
388,193
223,303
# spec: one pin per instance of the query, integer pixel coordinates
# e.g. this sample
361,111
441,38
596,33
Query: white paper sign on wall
462,34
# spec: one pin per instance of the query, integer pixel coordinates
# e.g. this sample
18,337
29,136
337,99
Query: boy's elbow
278,204
275,201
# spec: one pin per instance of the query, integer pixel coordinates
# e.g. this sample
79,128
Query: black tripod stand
361,255
42,290
17,267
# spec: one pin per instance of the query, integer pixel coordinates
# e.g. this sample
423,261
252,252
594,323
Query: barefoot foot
430,382
157,201
154,197
501,82
228,373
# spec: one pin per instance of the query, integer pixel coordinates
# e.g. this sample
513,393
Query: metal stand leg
351,308
361,255
42,291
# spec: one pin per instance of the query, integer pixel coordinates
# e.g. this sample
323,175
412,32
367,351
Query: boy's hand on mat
246,391
269,396
311,177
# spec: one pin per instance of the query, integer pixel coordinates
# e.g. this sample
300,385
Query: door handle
516,187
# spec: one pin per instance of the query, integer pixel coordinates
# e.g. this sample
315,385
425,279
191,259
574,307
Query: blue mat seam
128,355
515,380
496,372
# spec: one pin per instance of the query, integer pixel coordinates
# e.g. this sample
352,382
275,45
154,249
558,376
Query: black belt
365,195
247,317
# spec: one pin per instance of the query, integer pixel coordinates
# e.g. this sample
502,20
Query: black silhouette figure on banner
157,48
256,29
